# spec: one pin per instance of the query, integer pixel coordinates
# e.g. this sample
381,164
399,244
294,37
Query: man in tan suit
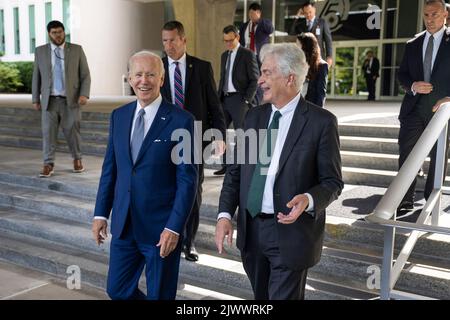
61,84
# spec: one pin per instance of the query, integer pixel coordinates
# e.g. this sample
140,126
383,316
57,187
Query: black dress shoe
405,206
190,254
220,172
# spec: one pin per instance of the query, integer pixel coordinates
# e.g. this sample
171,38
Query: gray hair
290,60
145,53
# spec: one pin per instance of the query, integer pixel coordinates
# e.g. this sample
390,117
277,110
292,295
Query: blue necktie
258,183
178,86
138,135
58,81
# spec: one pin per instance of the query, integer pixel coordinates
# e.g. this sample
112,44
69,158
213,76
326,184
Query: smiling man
281,216
150,194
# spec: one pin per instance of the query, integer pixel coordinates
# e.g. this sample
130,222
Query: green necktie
256,192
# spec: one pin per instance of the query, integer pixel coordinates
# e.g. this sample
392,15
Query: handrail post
388,256
439,174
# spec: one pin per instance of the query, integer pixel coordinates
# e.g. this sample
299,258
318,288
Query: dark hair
230,28
55,24
174,25
441,2
311,48
309,3
255,7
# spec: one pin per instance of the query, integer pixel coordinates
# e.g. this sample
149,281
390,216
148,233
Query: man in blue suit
150,193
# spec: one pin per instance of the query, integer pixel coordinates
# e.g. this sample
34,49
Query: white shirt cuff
172,231
412,90
100,218
310,209
225,215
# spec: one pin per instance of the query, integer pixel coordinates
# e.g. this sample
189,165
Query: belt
263,215
58,97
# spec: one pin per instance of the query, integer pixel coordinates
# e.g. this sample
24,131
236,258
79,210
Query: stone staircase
45,223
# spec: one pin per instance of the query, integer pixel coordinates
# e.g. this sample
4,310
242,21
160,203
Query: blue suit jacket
157,192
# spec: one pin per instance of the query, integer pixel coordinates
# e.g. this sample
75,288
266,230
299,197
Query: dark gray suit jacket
244,74
310,162
411,70
77,75
324,37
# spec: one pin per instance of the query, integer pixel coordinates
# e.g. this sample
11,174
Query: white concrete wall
109,31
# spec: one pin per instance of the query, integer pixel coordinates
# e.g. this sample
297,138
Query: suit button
134,172
277,194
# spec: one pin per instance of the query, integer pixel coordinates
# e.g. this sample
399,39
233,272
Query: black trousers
269,277
193,220
411,128
370,83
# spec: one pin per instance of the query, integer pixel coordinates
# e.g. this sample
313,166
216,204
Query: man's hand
440,102
99,230
82,100
37,106
224,227
330,61
168,242
422,87
298,204
219,147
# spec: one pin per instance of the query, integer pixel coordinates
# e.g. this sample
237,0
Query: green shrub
26,75
9,78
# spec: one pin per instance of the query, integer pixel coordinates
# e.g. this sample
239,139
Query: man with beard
61,85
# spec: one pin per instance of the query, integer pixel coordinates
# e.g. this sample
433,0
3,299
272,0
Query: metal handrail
388,204
385,212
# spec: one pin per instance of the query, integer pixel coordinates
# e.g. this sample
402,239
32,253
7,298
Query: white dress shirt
182,66
231,87
53,47
436,44
247,35
287,113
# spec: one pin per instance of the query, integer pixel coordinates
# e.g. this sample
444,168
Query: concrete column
204,21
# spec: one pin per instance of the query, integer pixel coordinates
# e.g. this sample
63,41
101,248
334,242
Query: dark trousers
127,261
411,128
234,109
370,83
269,277
193,220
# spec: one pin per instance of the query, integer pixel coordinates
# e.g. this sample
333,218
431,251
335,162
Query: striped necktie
58,81
138,135
178,86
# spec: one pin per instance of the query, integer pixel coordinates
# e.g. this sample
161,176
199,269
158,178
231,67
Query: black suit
310,162
416,110
317,87
371,73
320,29
200,99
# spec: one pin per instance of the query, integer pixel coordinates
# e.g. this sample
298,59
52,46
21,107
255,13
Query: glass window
16,31
392,57
2,33
344,71
31,18
66,18
48,15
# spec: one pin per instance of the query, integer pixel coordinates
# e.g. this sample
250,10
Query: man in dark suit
238,80
60,87
425,76
189,84
371,69
256,31
150,192
308,22
281,188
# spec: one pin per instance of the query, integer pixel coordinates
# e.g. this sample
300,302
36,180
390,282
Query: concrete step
222,276
369,130
369,144
100,137
98,149
33,114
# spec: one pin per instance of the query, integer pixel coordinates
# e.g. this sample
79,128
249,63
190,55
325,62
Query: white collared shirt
172,66
231,87
287,113
247,35
312,24
150,113
53,47
437,42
